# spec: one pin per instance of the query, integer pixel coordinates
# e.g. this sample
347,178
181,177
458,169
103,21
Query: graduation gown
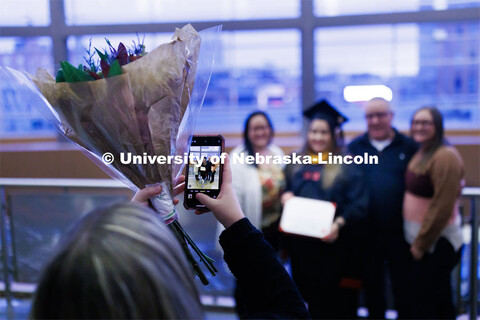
318,268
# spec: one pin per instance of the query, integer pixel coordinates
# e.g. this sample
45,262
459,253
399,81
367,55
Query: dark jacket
268,290
347,191
209,166
386,180
318,267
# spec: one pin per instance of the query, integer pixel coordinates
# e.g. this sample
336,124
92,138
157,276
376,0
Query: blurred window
254,70
422,64
324,8
80,12
16,118
25,13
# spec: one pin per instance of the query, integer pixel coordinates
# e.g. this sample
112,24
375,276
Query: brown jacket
446,172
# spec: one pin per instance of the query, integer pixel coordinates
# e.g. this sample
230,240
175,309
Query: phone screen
204,169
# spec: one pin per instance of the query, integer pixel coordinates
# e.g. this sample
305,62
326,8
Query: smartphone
204,170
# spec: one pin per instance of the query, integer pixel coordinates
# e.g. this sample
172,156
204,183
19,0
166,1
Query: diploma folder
307,217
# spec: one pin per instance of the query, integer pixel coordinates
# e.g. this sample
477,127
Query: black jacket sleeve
354,201
268,290
288,172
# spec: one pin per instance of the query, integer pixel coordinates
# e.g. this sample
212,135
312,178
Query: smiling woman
320,265
258,184
432,222
423,129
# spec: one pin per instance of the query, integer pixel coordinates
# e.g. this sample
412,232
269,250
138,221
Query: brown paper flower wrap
140,112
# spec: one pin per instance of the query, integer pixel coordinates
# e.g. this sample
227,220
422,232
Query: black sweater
268,290
386,180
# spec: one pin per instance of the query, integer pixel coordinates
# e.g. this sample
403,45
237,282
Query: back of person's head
119,262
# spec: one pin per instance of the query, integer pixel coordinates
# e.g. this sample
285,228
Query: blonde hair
119,262
330,174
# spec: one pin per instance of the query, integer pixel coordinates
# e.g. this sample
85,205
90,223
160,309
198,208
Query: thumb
206,200
148,192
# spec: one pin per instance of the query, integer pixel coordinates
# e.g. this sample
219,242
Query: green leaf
60,77
115,69
72,74
102,56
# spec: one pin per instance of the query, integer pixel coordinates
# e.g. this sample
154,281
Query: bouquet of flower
134,102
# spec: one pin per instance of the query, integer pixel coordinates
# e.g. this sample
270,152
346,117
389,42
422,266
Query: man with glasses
385,244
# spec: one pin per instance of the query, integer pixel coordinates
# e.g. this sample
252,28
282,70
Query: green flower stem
180,234
206,259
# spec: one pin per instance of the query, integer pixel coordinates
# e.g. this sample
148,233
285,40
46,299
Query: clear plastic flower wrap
148,109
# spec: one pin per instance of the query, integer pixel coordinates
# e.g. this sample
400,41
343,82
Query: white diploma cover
307,217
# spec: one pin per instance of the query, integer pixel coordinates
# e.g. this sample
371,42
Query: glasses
379,115
259,128
422,123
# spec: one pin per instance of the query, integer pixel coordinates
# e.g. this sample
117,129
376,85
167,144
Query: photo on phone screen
204,168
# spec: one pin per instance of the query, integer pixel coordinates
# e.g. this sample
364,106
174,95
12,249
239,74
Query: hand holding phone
225,207
204,170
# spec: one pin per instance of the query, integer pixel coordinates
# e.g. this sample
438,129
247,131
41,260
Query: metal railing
473,194
8,284
216,301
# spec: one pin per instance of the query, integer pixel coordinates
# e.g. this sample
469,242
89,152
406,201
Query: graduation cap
324,110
